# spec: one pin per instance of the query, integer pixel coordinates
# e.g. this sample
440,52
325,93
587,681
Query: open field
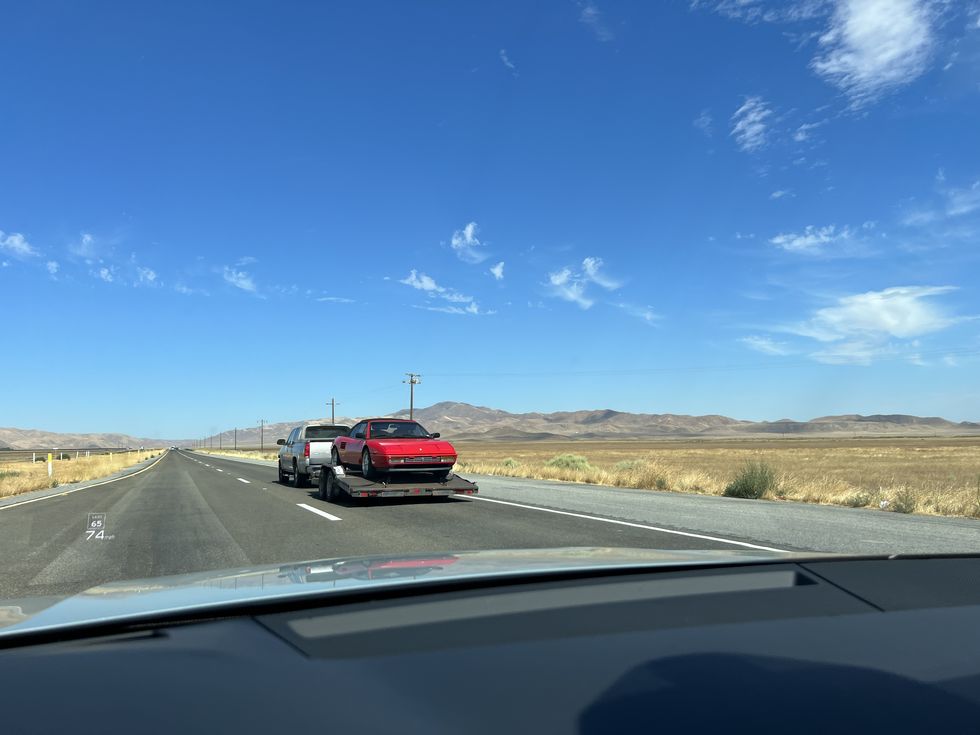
936,476
21,477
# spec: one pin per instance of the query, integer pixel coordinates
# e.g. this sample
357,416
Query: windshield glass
692,277
397,430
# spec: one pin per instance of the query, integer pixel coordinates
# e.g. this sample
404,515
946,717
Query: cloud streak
463,304
749,124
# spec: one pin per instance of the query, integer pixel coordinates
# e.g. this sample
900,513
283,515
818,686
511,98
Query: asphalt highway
192,512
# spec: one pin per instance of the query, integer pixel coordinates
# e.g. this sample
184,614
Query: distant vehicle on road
305,449
379,446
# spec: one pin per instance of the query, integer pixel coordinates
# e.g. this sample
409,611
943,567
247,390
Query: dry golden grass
932,476
268,454
22,477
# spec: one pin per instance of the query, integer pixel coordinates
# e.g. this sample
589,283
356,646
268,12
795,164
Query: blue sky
212,213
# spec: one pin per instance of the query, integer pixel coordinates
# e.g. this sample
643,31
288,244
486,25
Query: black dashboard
845,646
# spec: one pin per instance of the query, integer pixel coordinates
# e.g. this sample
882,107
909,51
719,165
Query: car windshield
397,430
692,277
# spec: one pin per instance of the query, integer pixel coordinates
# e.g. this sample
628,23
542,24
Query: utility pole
413,380
262,434
236,438
333,407
219,441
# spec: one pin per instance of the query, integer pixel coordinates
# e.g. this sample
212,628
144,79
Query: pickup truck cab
305,449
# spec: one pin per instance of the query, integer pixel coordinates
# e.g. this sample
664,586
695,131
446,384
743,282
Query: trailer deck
333,482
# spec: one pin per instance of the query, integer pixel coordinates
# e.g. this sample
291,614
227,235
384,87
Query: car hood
414,447
214,590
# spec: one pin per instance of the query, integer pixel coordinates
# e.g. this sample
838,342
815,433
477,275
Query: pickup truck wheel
282,475
298,479
367,467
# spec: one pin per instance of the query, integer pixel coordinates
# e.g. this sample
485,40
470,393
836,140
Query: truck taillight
306,449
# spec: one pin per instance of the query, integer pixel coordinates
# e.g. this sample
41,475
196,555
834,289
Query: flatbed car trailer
334,482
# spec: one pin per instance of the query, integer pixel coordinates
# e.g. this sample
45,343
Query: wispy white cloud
246,260
239,279
569,288
803,132
811,240
86,246
963,201
571,285
767,345
52,266
466,243
645,314
749,127
106,273
591,17
335,299
188,291
780,193
703,122
858,327
505,60
948,202
592,268
17,245
471,309
146,275
758,11
872,47
428,285
497,271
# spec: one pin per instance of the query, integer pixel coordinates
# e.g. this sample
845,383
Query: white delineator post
50,464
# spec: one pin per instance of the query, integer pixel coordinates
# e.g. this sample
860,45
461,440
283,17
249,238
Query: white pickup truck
307,447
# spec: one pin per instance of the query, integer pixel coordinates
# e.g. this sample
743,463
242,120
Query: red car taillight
306,450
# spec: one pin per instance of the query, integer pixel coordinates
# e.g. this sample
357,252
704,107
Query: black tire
282,475
335,457
367,466
323,487
299,479
442,475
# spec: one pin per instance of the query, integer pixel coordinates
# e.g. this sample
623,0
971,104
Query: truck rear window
326,432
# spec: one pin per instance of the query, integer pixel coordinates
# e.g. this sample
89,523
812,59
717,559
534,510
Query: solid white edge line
627,523
242,479
319,512
219,470
98,484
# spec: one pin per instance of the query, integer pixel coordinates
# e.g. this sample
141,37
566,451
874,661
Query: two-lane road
194,512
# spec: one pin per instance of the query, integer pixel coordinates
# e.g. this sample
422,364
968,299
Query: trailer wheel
324,487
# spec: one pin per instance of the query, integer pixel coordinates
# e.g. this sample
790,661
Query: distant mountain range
463,421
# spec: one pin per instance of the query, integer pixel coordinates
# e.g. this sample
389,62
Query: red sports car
378,446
